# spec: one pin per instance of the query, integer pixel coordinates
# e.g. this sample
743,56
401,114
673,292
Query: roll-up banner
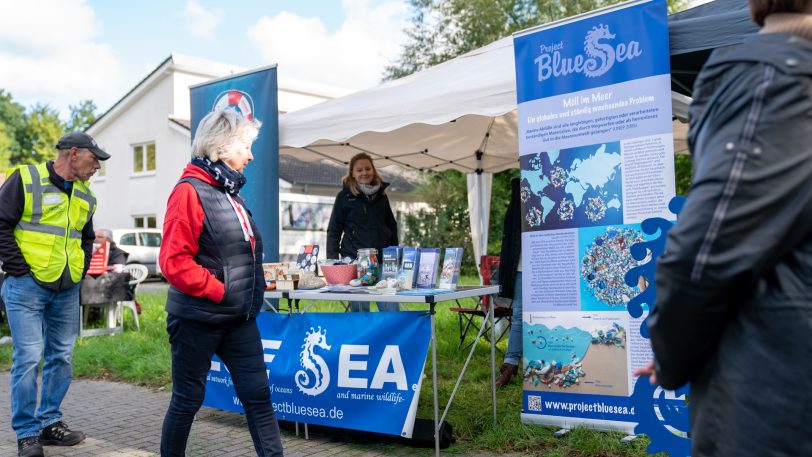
254,95
361,371
596,147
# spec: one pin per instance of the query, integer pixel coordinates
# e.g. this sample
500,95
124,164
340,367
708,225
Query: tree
444,29
11,124
28,136
81,116
41,131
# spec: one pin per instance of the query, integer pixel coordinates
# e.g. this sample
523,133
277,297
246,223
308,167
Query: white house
147,134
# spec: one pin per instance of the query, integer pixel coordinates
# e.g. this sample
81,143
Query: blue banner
254,94
621,45
361,371
596,153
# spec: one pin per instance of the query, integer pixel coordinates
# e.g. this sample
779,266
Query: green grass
143,358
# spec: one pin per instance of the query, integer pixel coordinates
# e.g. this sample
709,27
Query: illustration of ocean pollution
554,356
591,359
613,336
605,262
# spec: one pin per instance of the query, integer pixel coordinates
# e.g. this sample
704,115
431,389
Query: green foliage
443,29
81,116
28,136
683,170
41,131
445,223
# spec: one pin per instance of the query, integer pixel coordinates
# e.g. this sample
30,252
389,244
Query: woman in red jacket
212,257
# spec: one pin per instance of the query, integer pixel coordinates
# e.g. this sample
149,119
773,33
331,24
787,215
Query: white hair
220,131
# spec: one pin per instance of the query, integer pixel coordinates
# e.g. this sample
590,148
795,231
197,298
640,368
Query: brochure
427,269
391,260
450,274
408,267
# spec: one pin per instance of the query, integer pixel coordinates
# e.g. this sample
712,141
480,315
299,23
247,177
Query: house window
143,157
145,222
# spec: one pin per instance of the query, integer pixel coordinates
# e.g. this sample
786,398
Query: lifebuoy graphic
237,100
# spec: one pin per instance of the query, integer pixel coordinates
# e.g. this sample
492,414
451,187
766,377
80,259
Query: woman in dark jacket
362,218
212,257
733,314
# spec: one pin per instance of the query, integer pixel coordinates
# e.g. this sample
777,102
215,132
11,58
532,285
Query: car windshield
128,239
152,240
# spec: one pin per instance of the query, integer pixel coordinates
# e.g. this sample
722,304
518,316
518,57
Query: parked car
143,246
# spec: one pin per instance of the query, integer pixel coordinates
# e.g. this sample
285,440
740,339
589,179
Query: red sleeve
183,225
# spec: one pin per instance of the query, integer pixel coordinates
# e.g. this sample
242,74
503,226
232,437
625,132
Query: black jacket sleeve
12,201
749,207
511,242
88,236
335,228
391,224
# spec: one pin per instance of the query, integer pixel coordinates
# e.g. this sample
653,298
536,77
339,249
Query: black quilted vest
225,253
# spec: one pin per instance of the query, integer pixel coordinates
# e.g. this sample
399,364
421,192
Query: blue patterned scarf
226,176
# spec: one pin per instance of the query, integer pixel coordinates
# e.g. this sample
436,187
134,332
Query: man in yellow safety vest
46,238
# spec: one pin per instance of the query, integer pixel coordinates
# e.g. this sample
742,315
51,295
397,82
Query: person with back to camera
733,313
212,257
362,218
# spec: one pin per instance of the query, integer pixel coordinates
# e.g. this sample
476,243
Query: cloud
49,54
202,22
353,57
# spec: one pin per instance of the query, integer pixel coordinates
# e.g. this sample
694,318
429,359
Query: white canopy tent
459,115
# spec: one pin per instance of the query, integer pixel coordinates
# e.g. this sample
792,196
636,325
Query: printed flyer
596,154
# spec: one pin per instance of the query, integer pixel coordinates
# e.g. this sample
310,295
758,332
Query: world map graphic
570,188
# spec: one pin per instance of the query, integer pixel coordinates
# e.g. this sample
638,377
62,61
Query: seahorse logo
601,55
598,59
315,377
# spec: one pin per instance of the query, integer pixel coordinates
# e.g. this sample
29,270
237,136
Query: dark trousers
238,345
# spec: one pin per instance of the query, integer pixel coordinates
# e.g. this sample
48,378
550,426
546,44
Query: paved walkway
124,420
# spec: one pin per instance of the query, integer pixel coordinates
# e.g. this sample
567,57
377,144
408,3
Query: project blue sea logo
600,55
237,100
314,379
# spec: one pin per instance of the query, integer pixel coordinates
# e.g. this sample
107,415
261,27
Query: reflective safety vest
49,233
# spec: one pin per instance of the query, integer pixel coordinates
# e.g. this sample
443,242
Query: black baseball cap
81,140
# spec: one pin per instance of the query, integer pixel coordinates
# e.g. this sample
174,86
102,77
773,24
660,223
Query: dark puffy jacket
733,314
225,253
360,222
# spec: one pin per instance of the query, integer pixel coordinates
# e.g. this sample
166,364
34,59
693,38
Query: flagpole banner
360,371
254,95
596,153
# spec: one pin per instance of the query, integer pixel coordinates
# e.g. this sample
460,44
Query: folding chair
469,317
138,273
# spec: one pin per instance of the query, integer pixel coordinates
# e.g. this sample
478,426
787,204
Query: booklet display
427,269
450,274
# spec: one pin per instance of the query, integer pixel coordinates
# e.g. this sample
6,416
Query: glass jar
368,267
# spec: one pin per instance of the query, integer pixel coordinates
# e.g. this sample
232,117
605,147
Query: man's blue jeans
40,319
513,355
